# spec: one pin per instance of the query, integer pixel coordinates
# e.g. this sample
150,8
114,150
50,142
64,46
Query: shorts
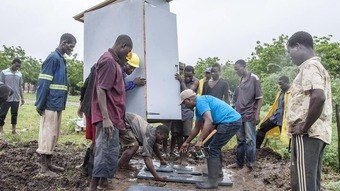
127,138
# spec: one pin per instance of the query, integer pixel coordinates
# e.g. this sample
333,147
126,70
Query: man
87,90
211,112
85,104
309,113
180,130
248,104
216,86
130,66
12,77
203,80
139,132
51,100
108,109
275,116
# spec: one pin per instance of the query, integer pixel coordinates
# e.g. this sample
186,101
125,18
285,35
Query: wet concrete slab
183,174
151,188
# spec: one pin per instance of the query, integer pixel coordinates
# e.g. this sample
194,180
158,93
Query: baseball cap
208,70
185,94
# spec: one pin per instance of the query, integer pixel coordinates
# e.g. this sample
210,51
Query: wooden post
338,128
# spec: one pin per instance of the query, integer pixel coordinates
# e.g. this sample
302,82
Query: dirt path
19,171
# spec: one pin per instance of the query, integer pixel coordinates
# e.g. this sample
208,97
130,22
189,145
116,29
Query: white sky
227,29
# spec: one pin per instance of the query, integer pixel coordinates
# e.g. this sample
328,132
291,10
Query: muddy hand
184,147
298,129
139,81
178,77
199,145
160,178
108,127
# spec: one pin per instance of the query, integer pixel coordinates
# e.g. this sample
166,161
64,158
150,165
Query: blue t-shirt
221,112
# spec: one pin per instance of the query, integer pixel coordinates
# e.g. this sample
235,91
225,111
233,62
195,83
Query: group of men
304,108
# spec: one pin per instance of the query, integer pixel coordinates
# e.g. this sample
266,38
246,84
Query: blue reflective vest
52,83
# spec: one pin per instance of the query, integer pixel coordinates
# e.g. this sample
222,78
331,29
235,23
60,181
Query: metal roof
80,17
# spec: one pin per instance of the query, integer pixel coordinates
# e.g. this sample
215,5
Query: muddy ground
19,171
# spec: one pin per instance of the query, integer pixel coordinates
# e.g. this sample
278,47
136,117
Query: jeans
107,153
224,133
246,143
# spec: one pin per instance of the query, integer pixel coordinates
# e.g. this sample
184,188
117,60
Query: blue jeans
246,143
107,153
224,133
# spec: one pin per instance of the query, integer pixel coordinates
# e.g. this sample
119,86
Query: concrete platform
182,174
151,188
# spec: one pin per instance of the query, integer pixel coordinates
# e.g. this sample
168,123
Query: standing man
275,116
211,112
108,109
217,86
207,77
12,77
51,100
309,113
248,104
180,130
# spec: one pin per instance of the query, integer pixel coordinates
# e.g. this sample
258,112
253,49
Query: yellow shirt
200,86
312,75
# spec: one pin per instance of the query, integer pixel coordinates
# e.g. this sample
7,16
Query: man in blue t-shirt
211,112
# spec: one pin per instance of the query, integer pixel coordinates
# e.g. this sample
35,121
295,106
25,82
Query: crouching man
211,112
139,132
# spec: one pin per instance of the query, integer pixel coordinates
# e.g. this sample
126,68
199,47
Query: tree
202,64
30,67
75,75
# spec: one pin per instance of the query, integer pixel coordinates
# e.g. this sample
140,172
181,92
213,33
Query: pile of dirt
19,171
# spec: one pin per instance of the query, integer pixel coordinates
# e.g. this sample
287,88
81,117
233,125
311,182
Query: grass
29,121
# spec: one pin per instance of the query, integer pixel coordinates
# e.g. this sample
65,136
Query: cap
208,70
185,94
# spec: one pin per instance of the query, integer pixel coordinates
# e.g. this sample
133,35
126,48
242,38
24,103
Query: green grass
29,121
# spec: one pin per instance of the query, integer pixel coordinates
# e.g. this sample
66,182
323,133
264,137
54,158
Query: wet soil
19,171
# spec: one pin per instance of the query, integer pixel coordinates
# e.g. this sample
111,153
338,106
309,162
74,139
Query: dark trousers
261,132
14,112
306,163
225,132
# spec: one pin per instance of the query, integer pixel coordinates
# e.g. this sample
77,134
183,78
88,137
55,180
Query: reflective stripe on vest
58,87
45,77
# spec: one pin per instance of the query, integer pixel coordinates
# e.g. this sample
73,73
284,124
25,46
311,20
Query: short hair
124,39
189,69
301,37
241,63
69,38
285,79
5,91
163,129
217,65
16,60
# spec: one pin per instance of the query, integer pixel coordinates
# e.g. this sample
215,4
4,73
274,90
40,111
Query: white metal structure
153,30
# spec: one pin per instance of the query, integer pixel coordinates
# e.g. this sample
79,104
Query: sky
227,29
